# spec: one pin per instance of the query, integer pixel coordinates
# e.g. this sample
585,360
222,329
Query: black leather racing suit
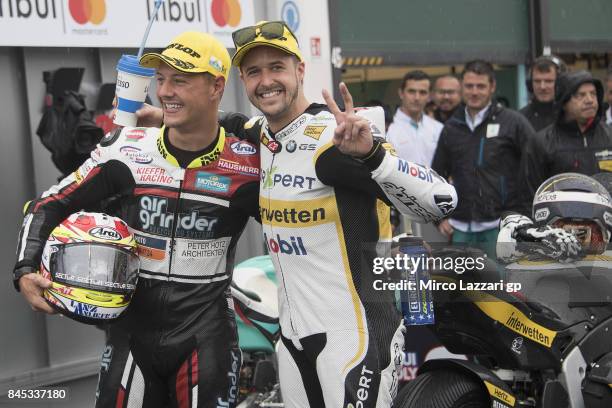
177,346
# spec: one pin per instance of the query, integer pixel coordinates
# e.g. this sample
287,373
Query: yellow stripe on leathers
298,214
331,215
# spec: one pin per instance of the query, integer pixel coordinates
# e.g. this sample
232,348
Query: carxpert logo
87,11
226,12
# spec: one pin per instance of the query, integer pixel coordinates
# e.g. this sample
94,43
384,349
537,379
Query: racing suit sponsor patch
151,248
243,148
135,135
240,168
211,182
272,145
214,248
314,132
156,220
153,175
135,155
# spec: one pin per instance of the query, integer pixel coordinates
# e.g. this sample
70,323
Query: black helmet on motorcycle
93,264
576,203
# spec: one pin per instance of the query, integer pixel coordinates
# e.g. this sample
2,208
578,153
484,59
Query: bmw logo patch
291,146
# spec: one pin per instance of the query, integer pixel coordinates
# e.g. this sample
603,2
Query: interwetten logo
84,11
226,12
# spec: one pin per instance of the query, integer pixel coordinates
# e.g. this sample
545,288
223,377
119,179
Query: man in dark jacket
545,70
577,141
480,149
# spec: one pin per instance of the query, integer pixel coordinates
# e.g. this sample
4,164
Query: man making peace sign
322,173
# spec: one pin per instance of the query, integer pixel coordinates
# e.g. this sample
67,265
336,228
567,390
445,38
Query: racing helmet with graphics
92,261
579,204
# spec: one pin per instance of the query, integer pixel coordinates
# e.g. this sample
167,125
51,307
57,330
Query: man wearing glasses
322,174
577,141
446,96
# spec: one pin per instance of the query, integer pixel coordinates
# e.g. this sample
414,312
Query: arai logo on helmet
542,214
105,233
243,148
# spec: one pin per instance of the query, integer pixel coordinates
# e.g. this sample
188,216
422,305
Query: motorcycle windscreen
106,268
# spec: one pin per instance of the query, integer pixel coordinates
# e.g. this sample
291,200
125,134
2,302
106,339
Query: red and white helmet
92,260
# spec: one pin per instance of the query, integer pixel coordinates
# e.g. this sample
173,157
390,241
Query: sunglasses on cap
272,30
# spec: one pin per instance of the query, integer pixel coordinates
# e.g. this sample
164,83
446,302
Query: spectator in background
446,96
578,141
540,111
414,134
608,118
480,149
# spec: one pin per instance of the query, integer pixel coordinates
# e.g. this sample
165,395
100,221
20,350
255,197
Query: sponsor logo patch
291,146
135,155
243,148
135,135
542,214
608,218
272,145
212,182
239,168
105,233
271,178
291,246
314,132
517,345
292,128
155,219
151,248
153,175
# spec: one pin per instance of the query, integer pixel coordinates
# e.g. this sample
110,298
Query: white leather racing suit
342,341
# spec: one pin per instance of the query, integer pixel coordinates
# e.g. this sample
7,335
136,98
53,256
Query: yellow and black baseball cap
192,52
274,34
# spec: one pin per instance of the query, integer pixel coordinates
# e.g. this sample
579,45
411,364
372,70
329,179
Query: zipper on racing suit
175,224
277,254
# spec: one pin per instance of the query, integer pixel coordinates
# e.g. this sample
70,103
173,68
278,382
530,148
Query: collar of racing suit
199,161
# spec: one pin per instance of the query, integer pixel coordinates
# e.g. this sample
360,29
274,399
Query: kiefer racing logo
84,11
292,246
243,148
106,233
156,220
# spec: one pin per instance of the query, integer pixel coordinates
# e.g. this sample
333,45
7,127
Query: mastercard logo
226,12
83,11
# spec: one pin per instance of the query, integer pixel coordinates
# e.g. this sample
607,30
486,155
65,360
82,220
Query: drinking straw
158,4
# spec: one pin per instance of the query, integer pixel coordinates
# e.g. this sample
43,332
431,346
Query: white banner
116,23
